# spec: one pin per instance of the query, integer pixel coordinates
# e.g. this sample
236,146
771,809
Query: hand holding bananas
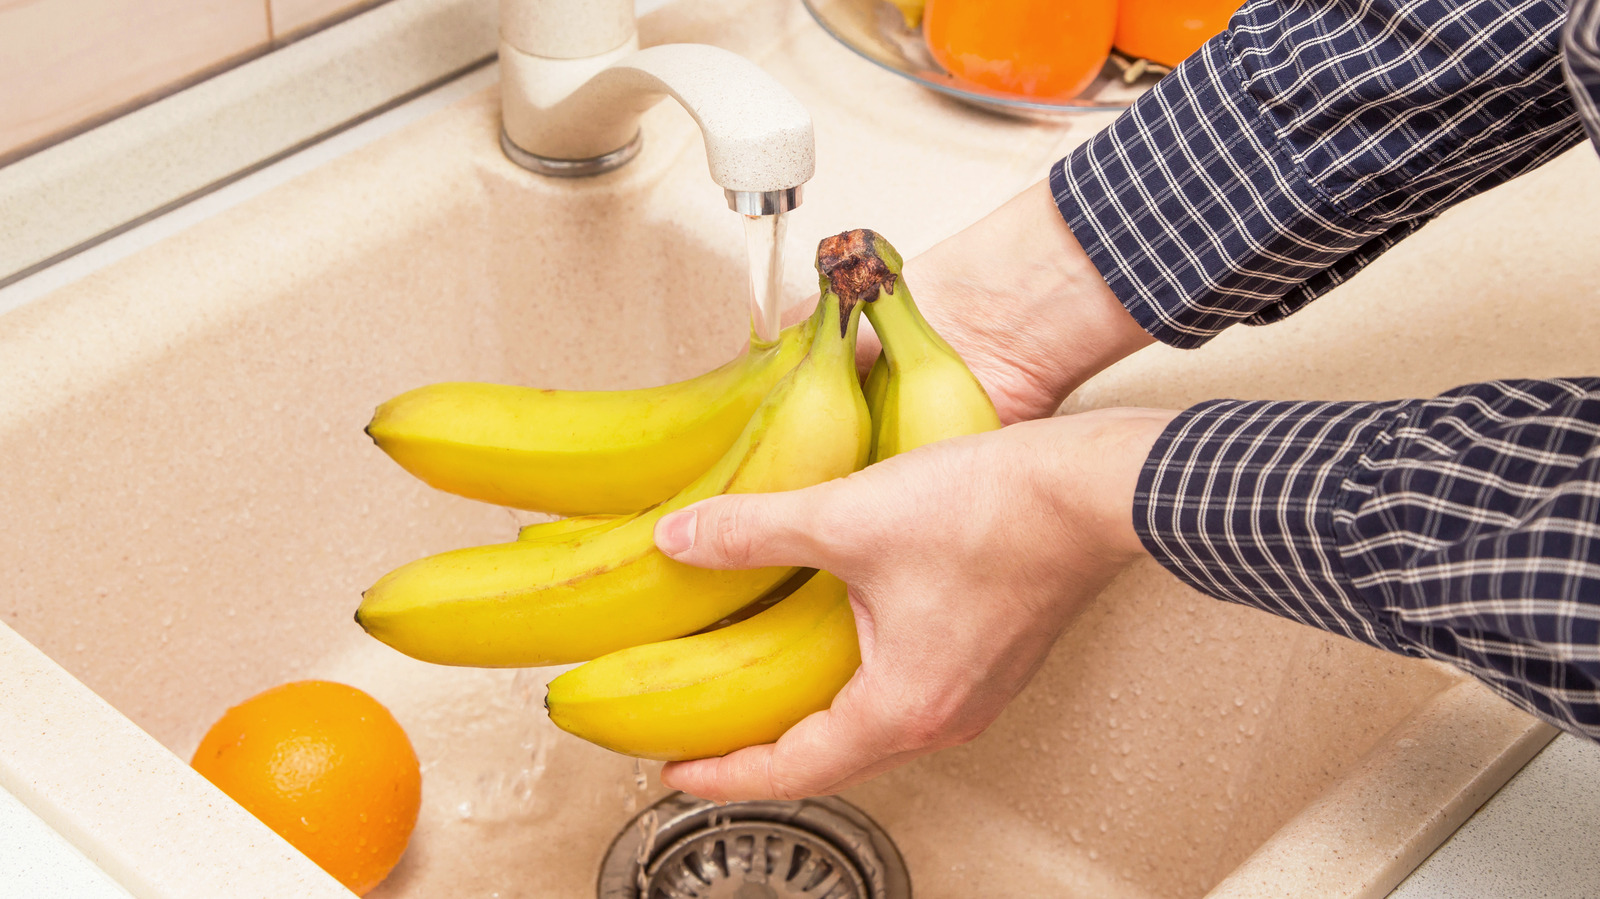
595,585
965,560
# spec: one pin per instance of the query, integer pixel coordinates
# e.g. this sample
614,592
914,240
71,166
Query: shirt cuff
1196,216
1237,499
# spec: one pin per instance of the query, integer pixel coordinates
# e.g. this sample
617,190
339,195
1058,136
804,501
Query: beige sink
192,510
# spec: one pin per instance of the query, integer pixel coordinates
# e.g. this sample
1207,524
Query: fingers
825,753
750,531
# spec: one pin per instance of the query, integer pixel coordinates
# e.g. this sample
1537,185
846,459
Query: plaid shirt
1268,168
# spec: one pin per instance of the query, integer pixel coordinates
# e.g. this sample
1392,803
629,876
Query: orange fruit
1169,31
1043,49
328,768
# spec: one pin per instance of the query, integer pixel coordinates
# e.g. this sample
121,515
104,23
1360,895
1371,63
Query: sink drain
687,848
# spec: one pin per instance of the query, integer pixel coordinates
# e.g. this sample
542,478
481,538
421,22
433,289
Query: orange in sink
328,768
1040,49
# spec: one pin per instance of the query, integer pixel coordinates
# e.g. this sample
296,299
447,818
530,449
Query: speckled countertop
1538,837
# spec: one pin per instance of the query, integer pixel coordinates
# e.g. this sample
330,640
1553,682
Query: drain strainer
687,848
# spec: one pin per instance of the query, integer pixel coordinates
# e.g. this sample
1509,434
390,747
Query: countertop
1537,837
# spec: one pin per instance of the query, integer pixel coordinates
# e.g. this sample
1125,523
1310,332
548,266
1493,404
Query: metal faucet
574,85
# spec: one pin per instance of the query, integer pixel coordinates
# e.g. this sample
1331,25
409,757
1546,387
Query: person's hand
1018,298
966,559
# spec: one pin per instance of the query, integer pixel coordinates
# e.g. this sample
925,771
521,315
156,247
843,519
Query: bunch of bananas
592,586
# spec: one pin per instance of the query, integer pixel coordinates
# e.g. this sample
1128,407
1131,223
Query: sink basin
192,510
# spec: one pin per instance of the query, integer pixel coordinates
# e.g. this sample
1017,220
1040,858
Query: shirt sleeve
1304,141
1581,58
1463,528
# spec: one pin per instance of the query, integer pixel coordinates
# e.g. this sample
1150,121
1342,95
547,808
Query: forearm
1087,468
1305,141
1237,190
1464,528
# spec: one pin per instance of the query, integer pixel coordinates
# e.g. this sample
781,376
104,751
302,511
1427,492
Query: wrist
1092,473
1020,299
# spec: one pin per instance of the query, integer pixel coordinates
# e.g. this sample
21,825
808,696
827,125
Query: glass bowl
875,30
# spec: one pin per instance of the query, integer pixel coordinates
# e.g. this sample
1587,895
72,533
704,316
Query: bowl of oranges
1039,59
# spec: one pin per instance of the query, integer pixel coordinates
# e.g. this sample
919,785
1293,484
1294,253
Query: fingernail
675,533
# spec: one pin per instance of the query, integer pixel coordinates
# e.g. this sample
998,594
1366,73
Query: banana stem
857,266
906,336
831,307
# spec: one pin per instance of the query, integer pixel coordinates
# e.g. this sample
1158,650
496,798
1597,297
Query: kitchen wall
65,64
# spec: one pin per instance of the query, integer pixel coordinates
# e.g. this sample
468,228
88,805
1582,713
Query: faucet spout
581,116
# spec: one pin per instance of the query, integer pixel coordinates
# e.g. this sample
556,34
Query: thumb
747,530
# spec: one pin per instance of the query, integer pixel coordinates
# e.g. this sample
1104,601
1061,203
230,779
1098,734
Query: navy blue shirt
1268,168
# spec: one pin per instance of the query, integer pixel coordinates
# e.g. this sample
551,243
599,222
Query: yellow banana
749,682
562,528
573,452
919,391
766,601
712,693
876,391
606,588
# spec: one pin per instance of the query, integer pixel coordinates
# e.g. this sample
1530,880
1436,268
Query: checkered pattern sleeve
1581,57
1305,140
1464,528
